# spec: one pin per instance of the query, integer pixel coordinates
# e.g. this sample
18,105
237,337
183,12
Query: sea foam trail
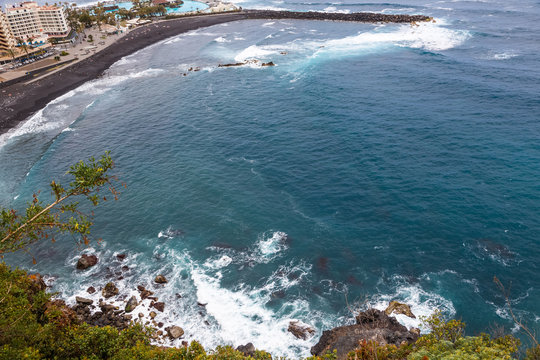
427,35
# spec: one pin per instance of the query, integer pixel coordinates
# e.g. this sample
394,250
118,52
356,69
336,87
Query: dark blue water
373,163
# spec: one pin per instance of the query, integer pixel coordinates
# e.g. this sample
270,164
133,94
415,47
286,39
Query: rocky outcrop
399,308
160,279
300,330
84,301
160,306
270,63
175,332
131,304
109,290
371,325
247,350
86,261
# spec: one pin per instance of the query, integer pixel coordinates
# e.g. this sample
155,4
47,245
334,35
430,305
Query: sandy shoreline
19,101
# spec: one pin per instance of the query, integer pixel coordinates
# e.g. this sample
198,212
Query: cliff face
371,325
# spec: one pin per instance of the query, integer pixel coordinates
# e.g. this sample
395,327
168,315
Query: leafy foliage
19,230
371,350
446,341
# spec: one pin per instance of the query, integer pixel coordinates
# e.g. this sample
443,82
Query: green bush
446,341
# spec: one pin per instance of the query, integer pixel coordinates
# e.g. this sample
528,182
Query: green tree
39,219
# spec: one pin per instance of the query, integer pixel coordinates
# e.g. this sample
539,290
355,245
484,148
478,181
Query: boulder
83,301
160,279
152,314
121,257
91,290
270,63
109,290
160,306
131,304
371,325
399,308
300,330
86,261
175,332
247,350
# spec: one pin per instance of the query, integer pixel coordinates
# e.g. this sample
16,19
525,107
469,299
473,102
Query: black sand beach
19,101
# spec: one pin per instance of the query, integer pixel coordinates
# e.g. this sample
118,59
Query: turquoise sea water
372,163
187,6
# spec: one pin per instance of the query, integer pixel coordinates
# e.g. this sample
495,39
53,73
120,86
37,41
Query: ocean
374,162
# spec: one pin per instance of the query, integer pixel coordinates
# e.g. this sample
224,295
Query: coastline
19,101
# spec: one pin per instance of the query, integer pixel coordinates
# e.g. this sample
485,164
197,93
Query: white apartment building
7,40
28,20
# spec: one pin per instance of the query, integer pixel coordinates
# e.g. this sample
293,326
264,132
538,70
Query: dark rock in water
175,332
231,65
222,245
247,350
146,294
270,63
84,301
280,294
185,344
121,257
399,308
125,268
131,304
495,248
91,290
372,325
300,330
109,290
86,261
178,296
160,306
160,324
141,288
160,279
322,263
201,304
353,280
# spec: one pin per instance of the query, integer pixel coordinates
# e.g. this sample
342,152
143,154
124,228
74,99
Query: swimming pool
187,6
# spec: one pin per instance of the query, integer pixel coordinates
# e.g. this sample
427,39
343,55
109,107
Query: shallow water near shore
372,163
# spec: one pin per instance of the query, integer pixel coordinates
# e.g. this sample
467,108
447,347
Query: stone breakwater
354,17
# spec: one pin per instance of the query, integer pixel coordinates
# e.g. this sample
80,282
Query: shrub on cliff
446,341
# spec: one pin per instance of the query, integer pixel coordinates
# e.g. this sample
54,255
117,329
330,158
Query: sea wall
356,17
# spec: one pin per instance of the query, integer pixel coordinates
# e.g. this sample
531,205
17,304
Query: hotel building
28,20
7,40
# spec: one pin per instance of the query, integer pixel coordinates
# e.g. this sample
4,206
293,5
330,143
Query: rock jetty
315,15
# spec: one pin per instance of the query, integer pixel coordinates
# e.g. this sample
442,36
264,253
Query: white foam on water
269,247
504,56
333,9
428,36
221,39
258,52
422,303
243,317
270,23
